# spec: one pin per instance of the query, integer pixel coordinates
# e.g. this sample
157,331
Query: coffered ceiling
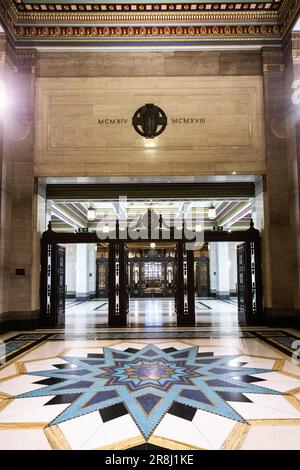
230,214
91,23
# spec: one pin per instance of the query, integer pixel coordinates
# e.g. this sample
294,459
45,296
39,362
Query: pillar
5,200
71,271
92,247
223,289
20,236
213,253
219,270
279,235
257,203
82,272
292,109
232,260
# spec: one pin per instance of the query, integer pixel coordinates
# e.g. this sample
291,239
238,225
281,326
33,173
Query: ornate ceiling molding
21,6
20,60
36,23
149,191
288,15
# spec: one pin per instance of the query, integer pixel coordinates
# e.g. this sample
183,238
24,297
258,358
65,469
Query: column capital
272,60
21,60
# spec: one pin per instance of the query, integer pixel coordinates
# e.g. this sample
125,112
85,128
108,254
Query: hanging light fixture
91,213
212,212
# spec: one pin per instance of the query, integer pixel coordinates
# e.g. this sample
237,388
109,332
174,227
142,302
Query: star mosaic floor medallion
147,383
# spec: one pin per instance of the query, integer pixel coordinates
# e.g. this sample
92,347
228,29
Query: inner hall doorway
150,290
88,282
152,283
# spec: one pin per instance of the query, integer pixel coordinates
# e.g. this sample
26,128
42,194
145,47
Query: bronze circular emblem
149,121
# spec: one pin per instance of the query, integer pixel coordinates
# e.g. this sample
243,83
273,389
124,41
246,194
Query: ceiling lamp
91,213
152,245
212,212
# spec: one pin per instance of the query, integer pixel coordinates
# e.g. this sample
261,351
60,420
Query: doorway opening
83,280
151,283
149,288
124,279
216,284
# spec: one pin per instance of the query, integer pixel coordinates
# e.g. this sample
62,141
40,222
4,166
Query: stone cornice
20,60
288,15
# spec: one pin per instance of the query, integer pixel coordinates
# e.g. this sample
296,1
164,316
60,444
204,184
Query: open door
202,276
52,286
177,280
118,290
61,284
185,292
250,307
125,266
102,277
242,283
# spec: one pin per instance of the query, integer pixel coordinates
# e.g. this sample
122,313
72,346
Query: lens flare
3,97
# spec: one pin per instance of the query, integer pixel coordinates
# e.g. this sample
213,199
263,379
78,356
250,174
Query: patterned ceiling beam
229,210
62,217
72,210
61,211
231,213
78,210
241,210
119,209
223,209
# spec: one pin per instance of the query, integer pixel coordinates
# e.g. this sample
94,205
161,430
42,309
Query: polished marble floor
217,389
151,312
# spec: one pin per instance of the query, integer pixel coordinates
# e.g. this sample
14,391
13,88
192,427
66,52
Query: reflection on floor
216,392
151,312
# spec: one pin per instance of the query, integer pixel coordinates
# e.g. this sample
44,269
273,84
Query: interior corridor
151,312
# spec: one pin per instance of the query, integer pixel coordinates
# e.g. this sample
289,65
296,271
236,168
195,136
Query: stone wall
84,126
254,79
5,194
19,258
149,64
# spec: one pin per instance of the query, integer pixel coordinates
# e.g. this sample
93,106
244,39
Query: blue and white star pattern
148,382
212,392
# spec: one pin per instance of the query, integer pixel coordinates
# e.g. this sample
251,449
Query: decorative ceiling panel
233,214
141,5
37,23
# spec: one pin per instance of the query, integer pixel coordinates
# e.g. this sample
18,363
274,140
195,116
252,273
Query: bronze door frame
185,302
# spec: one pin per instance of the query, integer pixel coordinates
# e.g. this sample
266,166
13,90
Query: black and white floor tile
234,391
151,312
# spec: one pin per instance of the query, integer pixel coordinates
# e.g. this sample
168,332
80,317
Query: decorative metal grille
185,284
49,275
253,278
117,281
